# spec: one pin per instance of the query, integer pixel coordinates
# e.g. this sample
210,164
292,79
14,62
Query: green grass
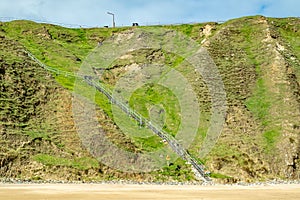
148,144
185,28
271,137
178,170
224,150
155,103
58,47
261,100
219,176
259,103
145,98
191,30
78,163
37,134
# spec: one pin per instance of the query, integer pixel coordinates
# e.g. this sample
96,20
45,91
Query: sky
93,13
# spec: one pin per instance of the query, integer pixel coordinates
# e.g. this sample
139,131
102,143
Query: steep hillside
261,136
38,138
257,58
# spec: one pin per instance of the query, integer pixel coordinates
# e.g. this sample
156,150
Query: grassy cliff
258,60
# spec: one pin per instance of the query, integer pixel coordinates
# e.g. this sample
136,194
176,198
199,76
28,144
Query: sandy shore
132,192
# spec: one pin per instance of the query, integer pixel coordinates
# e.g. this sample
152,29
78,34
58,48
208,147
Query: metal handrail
176,147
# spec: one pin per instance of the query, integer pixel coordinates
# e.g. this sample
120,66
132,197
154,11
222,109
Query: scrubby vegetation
258,60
